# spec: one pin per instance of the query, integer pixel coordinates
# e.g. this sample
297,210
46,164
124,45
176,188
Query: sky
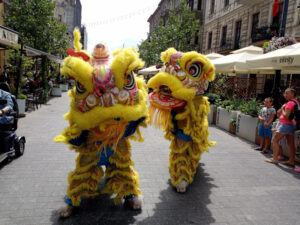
117,23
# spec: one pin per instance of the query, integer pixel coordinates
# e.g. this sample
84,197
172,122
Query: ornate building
69,12
233,24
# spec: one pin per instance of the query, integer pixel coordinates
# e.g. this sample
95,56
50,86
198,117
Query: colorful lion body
178,106
108,105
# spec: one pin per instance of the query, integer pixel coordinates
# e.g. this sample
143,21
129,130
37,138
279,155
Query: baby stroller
10,143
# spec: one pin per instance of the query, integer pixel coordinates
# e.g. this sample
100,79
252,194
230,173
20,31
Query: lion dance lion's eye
195,70
129,82
80,89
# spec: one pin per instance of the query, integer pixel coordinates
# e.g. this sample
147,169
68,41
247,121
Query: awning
31,52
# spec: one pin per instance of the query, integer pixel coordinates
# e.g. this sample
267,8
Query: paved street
233,184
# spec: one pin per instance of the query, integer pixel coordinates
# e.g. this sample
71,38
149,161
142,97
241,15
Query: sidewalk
233,184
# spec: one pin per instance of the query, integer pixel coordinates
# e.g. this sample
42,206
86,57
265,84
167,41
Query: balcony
265,32
226,45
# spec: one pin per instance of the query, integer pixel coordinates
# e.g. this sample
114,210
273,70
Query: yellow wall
1,12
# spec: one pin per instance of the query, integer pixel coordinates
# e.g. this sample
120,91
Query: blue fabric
104,156
5,118
80,139
286,128
264,131
177,131
131,127
68,201
183,136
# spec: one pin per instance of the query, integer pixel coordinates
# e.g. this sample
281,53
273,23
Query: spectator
6,106
266,117
286,128
282,141
298,146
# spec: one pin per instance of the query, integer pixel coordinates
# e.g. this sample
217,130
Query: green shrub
21,96
233,121
251,108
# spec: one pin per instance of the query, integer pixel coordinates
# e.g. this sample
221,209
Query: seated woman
6,106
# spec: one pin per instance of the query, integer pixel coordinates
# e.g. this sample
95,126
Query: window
226,2
209,40
191,4
238,26
255,21
199,7
212,6
196,38
224,34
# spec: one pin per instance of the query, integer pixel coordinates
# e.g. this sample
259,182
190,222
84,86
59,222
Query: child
266,117
282,141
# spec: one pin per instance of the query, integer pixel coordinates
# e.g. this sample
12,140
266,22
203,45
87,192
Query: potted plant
56,90
247,120
21,100
64,84
226,112
232,126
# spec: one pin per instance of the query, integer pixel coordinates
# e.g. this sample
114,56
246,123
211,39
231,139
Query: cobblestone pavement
233,184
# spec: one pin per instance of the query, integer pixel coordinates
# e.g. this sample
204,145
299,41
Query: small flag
275,7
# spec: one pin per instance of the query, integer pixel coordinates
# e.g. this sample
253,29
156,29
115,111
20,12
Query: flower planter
21,106
232,128
246,127
56,91
64,87
224,118
211,117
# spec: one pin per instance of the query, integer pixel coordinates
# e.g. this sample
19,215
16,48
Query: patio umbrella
250,49
149,70
214,55
287,58
234,63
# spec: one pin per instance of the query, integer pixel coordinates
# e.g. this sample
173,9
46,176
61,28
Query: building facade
161,13
69,13
233,24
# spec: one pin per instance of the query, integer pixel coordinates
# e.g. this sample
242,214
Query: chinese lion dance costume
108,105
178,106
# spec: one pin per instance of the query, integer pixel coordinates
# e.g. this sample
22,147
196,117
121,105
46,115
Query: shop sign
8,36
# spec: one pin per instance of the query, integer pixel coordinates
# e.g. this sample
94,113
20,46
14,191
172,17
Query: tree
178,31
37,27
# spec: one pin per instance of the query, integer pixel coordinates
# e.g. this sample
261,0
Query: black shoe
264,151
258,149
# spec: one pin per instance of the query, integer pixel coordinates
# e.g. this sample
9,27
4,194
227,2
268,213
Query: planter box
21,106
224,118
56,91
211,117
246,126
64,87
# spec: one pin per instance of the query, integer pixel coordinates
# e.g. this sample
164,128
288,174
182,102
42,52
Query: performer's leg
83,181
123,180
180,165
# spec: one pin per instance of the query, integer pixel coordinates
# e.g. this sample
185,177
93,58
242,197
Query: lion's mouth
162,97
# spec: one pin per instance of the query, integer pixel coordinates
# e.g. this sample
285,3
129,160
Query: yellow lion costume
178,106
108,105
